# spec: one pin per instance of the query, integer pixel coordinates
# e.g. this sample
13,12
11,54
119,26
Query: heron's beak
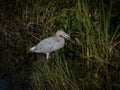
66,36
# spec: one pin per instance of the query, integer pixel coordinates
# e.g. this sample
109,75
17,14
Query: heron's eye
60,35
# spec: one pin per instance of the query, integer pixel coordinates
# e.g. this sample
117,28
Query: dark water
3,83
14,82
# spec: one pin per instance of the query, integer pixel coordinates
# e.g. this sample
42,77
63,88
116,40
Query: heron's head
61,33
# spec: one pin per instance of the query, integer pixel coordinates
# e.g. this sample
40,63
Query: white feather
32,49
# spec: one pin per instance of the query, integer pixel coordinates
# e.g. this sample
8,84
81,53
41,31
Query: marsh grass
53,75
94,42
89,61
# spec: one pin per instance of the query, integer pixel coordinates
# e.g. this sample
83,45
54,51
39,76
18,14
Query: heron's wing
47,45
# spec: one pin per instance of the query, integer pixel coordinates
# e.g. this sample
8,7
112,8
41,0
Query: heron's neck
61,39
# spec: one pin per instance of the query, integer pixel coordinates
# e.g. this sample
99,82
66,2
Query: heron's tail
32,49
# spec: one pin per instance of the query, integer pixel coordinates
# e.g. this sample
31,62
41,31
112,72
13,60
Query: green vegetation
90,61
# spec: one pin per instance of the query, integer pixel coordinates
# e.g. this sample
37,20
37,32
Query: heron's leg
47,56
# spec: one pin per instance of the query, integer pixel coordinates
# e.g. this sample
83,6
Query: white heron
51,43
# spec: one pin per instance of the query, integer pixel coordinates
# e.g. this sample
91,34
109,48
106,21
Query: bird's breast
61,41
